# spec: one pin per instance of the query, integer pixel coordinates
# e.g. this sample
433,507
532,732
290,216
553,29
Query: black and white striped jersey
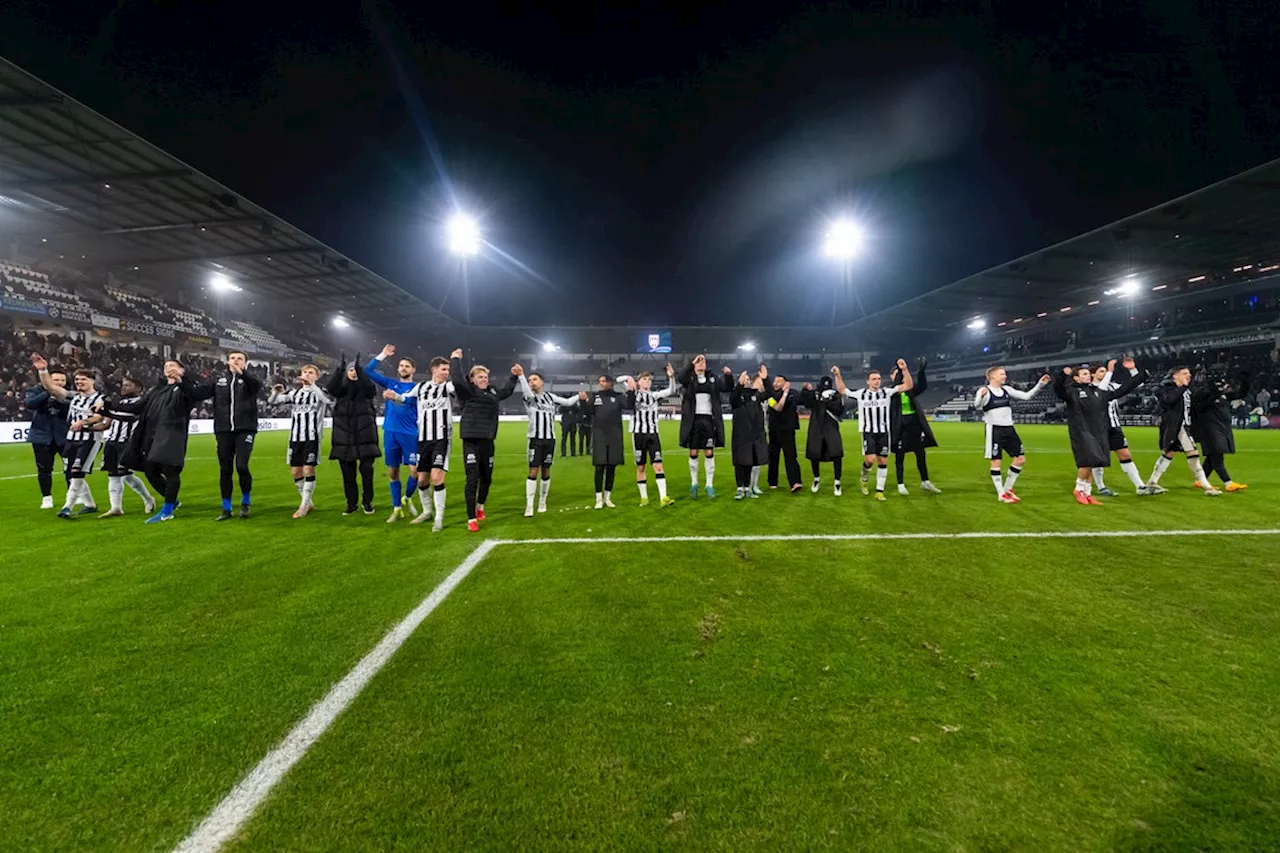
542,410
1113,408
122,423
435,409
644,420
310,405
873,407
80,408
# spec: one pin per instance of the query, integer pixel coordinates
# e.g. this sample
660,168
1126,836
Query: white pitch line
238,806
876,537
18,477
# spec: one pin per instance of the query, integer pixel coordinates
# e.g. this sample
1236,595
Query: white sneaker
930,488
421,517
839,492
902,490
817,484
46,502
1213,493
438,526
528,510
609,503
542,507
599,503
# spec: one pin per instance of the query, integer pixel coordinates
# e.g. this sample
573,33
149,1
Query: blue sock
167,509
411,488
226,504
395,492
244,499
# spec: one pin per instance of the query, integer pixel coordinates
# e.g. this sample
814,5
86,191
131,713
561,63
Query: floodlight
222,284
977,324
747,347
1130,286
340,322
843,240
464,236
549,347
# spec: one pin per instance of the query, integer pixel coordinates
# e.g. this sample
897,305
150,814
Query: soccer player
399,430
605,407
354,437
1087,422
541,405
1177,402
645,439
910,432
82,444
118,421
1117,443
478,428
235,425
750,446
995,399
1211,422
701,421
158,444
310,403
47,433
435,437
824,442
784,422
874,422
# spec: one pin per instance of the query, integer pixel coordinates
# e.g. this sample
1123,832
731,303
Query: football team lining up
147,432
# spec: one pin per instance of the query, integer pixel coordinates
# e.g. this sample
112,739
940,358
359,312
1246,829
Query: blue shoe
64,513
711,492
160,516
87,510
693,491
1107,493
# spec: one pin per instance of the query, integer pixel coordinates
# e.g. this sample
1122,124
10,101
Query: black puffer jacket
355,420
479,405
235,400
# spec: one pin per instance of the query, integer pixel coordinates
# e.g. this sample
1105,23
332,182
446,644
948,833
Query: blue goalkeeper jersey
400,418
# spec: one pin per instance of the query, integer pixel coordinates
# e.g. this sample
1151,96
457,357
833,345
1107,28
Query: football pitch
790,673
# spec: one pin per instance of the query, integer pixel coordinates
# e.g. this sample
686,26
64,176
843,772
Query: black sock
922,465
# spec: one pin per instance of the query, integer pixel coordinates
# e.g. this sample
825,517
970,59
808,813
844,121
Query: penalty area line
230,815
879,537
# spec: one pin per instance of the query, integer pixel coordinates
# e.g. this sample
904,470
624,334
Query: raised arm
907,382
509,388
686,373
325,396
1035,389
42,371
839,380
921,380
980,398
567,402
461,381
252,383
1060,386
278,395
726,380
363,382
337,379
778,400
525,390
1133,383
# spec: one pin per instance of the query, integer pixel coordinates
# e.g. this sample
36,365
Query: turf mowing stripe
238,806
854,537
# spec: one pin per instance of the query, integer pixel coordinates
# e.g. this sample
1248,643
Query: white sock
1081,485
755,477
693,469
882,475
546,487
1131,471
297,483
643,486
530,491
999,483
73,489
662,488
1162,465
86,496
1014,471
308,489
134,482
1193,462
115,493
437,497
1097,478
711,471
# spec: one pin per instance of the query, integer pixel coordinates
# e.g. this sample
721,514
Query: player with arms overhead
435,437
645,439
118,422
478,428
995,399
875,422
1087,423
541,405
235,427
399,429
83,442
1117,443
310,403
701,419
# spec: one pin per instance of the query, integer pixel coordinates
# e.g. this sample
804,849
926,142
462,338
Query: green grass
1064,694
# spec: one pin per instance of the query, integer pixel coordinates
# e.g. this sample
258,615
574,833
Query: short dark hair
780,376
438,361
607,378
173,361
1179,369
236,352
406,358
871,373
537,374
88,374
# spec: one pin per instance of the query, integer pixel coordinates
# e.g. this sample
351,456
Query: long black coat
826,411
749,444
911,432
1176,405
1087,420
354,435
1211,425
603,409
718,384
164,420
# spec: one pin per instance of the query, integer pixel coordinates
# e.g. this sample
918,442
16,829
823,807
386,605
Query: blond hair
478,368
991,370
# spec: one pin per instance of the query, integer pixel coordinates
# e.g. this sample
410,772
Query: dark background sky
677,166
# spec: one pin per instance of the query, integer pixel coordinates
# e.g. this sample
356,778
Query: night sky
678,167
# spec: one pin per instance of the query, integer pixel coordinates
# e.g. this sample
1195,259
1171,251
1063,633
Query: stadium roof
75,185
1204,239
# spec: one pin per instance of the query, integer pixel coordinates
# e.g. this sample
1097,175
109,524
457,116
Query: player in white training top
995,399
